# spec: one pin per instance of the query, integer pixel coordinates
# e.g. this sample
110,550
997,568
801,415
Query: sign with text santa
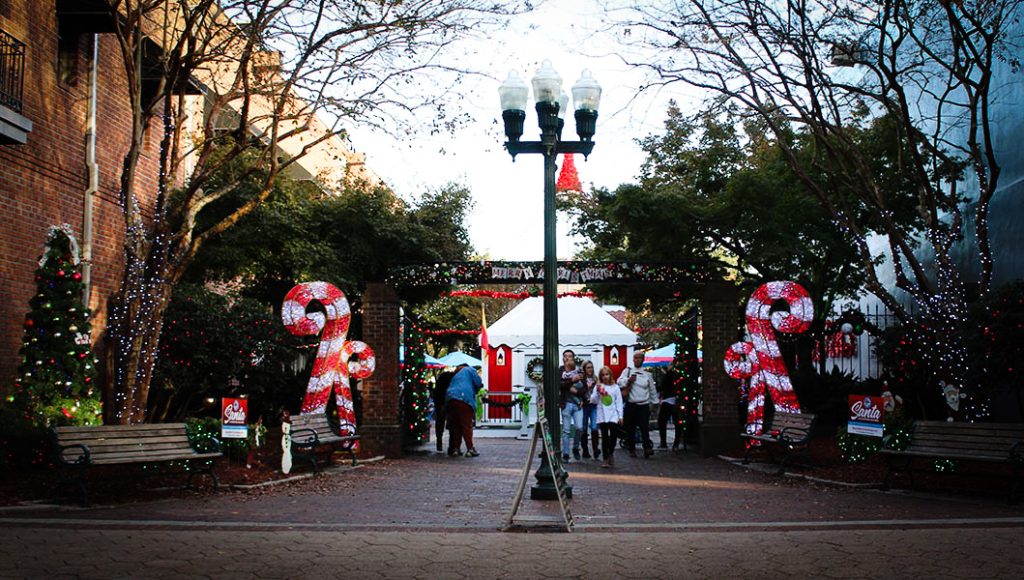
233,416
866,414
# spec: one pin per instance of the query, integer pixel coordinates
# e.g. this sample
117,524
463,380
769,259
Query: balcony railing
12,71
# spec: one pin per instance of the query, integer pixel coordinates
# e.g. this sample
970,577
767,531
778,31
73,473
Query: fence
12,71
863,362
500,415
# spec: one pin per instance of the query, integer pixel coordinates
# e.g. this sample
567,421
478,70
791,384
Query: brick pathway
430,516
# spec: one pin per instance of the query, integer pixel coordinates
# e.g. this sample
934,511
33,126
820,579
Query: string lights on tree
687,368
416,390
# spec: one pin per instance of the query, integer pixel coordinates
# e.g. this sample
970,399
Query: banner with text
233,415
866,415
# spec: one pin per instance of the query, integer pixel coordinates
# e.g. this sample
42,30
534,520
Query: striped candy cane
337,359
760,358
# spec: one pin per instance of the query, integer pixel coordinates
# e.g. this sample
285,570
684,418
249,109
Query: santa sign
233,416
866,414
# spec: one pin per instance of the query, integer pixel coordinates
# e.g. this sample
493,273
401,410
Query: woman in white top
608,398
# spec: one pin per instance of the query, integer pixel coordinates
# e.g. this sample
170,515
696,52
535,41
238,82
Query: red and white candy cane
337,359
760,359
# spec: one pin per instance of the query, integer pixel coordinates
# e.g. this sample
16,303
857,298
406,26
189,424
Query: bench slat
149,457
120,430
180,438
126,447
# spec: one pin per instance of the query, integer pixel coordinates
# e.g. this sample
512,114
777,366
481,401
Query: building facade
65,126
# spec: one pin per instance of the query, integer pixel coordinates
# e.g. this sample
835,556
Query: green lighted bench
988,442
75,449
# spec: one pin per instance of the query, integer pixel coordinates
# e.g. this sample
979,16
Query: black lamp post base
545,489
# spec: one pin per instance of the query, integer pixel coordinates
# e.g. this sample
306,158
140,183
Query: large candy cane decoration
760,358
337,359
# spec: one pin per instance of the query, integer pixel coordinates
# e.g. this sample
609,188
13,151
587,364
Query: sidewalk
674,515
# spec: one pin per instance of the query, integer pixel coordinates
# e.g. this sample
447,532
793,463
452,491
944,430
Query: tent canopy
454,359
581,323
429,361
662,357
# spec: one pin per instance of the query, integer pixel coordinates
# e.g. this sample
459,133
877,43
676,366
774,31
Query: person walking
590,413
640,393
439,396
669,410
460,406
572,389
607,399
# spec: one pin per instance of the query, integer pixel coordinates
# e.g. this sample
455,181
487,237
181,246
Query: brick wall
720,319
42,183
380,433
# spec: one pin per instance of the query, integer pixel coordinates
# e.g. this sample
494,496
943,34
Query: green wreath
535,369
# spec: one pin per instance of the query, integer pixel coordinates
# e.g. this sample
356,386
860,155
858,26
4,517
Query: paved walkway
430,516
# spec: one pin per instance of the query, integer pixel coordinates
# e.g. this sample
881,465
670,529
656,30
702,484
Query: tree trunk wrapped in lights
350,60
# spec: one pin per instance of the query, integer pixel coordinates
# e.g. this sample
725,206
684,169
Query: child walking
608,399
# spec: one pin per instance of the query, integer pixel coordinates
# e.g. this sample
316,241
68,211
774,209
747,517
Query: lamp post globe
586,97
547,89
513,94
547,84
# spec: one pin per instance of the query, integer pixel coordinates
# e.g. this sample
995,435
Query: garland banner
575,272
514,295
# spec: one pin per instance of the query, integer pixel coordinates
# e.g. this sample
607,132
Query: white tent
516,342
581,323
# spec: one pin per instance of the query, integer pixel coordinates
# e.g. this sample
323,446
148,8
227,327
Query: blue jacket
464,386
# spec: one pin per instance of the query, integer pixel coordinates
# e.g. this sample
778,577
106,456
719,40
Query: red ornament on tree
77,277
568,179
60,273
29,323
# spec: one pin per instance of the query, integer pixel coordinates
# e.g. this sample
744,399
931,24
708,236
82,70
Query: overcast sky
507,221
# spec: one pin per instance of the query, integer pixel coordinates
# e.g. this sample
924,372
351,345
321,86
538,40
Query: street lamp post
551,105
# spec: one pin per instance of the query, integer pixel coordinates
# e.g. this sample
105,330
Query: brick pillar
380,433
720,429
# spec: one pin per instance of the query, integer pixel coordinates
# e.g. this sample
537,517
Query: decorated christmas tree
416,392
568,178
56,382
687,370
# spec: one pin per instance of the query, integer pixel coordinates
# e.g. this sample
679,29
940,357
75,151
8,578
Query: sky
506,222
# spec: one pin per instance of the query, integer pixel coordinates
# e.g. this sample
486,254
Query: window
68,44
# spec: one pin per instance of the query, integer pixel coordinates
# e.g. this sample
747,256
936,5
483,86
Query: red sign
865,409
866,414
233,415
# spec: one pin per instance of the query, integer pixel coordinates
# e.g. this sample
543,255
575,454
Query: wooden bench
77,448
789,431
989,442
311,432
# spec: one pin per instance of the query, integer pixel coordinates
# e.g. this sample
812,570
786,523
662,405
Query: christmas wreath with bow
535,369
